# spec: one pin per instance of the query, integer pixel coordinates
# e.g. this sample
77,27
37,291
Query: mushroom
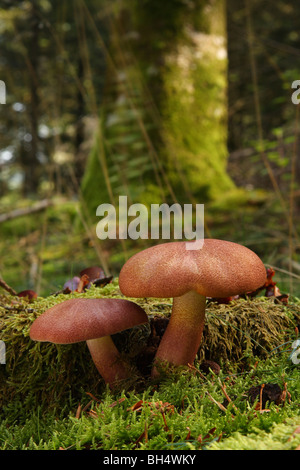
93,273
29,294
93,321
219,269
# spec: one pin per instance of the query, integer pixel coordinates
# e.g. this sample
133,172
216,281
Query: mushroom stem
182,338
107,360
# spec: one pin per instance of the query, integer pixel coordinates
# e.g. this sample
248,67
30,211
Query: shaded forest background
183,101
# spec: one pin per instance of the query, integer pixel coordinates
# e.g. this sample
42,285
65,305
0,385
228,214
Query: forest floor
242,392
211,409
42,250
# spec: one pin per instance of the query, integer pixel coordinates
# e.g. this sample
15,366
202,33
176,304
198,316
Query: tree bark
169,69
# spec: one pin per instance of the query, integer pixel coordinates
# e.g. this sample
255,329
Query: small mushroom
93,321
218,269
93,272
95,275
29,294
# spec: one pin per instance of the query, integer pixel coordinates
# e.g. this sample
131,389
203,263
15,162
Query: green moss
55,375
282,436
49,374
183,414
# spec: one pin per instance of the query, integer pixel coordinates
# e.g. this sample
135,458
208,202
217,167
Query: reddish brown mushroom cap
93,272
76,320
219,269
30,294
93,321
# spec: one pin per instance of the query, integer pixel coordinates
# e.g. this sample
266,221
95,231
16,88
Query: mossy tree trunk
194,108
163,130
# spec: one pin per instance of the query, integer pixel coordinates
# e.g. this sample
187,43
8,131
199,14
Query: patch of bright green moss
54,376
283,436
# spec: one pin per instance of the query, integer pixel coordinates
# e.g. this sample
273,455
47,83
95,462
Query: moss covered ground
52,397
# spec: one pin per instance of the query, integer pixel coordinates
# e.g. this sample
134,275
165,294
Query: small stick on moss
17,307
285,394
260,397
144,435
78,411
217,403
223,388
192,367
7,287
93,396
166,427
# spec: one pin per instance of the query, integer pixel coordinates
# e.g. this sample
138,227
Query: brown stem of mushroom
182,338
107,360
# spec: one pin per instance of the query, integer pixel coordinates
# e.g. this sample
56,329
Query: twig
223,388
192,367
260,396
217,403
7,287
39,206
16,307
78,411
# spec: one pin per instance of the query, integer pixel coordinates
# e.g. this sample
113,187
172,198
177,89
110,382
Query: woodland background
183,101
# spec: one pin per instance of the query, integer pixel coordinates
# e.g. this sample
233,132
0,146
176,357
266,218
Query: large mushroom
93,321
219,269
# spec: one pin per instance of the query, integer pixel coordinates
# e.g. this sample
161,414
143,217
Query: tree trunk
164,125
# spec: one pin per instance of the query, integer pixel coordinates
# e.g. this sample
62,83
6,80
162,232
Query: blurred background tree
51,91
181,100
163,127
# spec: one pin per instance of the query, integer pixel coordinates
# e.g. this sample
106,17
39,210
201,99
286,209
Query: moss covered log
57,376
